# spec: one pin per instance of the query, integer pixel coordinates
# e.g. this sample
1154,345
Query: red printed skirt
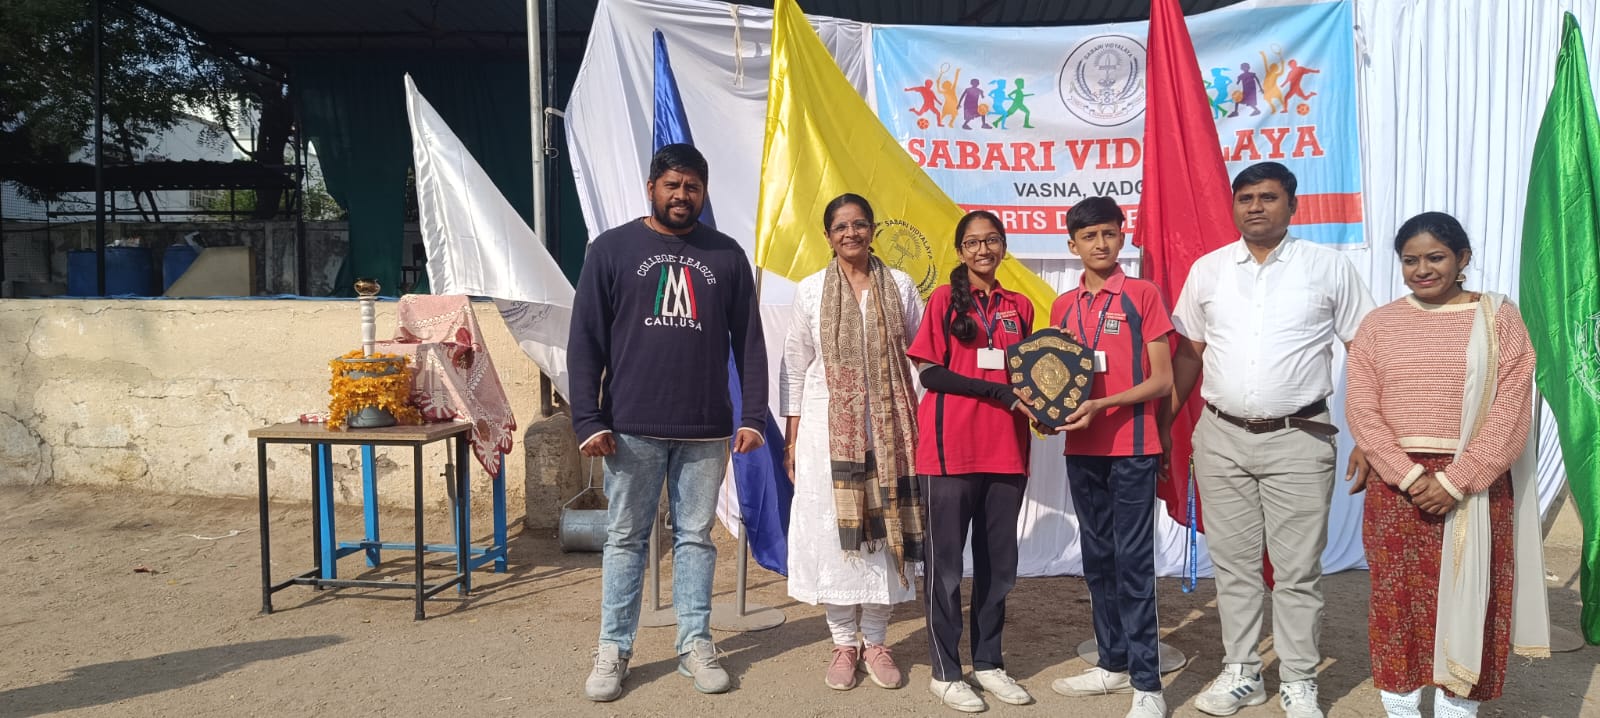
1403,544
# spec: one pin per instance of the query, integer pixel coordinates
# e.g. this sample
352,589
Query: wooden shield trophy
1057,370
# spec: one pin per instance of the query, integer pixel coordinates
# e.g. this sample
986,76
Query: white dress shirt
1269,327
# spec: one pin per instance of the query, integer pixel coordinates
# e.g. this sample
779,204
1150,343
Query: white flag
479,245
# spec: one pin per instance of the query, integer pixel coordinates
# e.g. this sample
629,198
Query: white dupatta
1465,559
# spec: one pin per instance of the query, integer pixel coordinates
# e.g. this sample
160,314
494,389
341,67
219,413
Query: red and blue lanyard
1099,324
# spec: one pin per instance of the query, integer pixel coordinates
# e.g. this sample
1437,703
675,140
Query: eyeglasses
993,241
859,225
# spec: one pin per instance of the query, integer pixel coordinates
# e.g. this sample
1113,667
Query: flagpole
536,113
743,616
1562,640
656,615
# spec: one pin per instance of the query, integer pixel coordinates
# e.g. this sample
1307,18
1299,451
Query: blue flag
764,491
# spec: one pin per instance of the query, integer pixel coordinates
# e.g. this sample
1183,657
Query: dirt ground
112,603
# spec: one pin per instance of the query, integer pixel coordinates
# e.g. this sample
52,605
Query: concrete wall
159,395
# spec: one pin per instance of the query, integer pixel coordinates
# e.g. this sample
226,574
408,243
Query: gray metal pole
99,159
743,616
536,118
536,126
655,615
302,262
744,572
3,239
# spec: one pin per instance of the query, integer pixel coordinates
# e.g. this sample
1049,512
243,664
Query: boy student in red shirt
1113,452
972,458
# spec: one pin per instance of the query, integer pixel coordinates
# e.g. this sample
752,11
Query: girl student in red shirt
972,458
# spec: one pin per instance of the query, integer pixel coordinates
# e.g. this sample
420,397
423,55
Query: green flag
1561,290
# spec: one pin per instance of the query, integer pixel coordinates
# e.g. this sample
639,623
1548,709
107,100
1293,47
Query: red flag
1185,209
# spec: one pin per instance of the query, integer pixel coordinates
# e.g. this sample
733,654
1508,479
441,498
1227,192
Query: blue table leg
500,516
315,452
329,543
369,503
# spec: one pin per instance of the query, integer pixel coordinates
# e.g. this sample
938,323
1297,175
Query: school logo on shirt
675,300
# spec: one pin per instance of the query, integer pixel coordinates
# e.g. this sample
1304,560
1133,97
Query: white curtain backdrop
1452,97
1452,92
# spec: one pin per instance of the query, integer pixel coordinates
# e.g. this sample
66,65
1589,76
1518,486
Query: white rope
738,47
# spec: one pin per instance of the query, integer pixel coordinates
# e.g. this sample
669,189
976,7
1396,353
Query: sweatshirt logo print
675,301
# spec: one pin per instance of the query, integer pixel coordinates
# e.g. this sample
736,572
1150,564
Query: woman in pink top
1439,393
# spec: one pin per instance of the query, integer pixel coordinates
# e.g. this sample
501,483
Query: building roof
61,177
277,31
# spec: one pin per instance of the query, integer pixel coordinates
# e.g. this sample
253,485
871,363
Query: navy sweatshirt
652,324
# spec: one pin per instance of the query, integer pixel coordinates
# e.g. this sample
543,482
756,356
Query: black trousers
1115,499
989,503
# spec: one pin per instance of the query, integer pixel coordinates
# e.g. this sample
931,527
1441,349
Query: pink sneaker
842,670
881,668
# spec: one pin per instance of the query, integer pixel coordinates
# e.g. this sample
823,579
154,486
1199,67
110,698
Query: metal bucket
582,529
371,417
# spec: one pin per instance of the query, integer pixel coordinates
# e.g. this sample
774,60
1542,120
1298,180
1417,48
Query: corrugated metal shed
279,30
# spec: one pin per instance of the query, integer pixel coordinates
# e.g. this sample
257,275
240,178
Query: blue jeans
693,472
1115,498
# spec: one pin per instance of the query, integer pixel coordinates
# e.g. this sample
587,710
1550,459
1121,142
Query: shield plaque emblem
1058,370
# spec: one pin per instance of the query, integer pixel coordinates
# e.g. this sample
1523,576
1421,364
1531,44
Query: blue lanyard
989,324
1099,324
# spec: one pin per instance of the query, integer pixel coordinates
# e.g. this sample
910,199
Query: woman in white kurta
856,585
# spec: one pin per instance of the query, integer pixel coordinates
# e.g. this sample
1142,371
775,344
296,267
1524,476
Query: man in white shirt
1260,315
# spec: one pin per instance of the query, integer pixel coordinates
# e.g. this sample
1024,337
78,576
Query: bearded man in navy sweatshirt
661,302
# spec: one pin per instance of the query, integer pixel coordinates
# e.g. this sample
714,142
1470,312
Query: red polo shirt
963,434
1130,314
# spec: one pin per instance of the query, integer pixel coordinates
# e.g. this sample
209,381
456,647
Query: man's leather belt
1299,420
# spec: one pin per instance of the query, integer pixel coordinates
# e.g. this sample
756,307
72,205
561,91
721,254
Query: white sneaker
958,695
1299,699
1148,704
605,681
702,664
1003,686
1232,690
1445,706
1096,681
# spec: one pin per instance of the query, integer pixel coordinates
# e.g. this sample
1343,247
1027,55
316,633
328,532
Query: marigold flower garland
390,392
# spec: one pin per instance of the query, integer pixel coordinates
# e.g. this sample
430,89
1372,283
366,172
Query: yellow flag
822,141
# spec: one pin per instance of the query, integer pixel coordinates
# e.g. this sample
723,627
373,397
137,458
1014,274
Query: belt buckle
1262,426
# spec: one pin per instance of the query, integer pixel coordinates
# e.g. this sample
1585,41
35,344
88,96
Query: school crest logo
902,246
1102,80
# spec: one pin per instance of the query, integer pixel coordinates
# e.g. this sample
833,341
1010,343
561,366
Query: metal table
326,550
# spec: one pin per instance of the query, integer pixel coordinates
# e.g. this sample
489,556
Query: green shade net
354,112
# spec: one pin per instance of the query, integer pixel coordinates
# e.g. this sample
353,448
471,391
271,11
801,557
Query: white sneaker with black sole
1232,690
